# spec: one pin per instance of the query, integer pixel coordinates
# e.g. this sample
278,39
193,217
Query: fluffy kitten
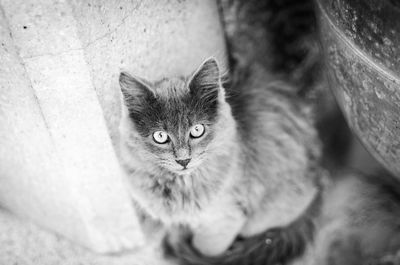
225,163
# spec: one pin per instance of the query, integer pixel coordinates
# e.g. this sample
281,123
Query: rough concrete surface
59,104
25,244
79,189
150,39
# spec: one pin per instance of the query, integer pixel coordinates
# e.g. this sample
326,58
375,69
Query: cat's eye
160,137
197,131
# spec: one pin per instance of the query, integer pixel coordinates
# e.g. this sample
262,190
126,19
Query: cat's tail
274,246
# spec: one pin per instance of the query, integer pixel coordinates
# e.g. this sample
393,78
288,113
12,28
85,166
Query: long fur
241,178
278,245
263,176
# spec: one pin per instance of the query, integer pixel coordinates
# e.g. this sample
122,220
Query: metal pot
361,43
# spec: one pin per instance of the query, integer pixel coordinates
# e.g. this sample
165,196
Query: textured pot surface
361,42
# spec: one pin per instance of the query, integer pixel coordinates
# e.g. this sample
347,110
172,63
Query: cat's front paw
179,246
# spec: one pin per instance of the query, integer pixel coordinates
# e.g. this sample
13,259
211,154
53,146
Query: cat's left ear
134,88
206,80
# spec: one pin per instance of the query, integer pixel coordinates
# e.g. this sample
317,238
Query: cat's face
175,119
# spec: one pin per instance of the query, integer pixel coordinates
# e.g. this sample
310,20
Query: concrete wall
151,39
59,103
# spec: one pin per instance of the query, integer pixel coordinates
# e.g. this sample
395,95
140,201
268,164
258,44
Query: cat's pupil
197,131
160,137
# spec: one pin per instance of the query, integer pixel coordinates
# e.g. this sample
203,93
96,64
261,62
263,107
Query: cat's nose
183,162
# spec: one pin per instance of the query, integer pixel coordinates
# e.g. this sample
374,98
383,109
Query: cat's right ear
134,88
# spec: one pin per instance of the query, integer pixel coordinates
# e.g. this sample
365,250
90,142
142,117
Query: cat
353,221
262,33
222,162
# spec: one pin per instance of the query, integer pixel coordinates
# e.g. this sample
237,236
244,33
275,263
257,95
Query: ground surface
23,243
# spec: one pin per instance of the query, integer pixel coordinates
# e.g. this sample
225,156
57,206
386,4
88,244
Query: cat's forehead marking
171,87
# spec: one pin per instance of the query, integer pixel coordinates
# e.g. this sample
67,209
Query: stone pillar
59,104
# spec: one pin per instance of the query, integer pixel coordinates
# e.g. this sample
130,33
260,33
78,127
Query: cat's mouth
186,170
181,170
